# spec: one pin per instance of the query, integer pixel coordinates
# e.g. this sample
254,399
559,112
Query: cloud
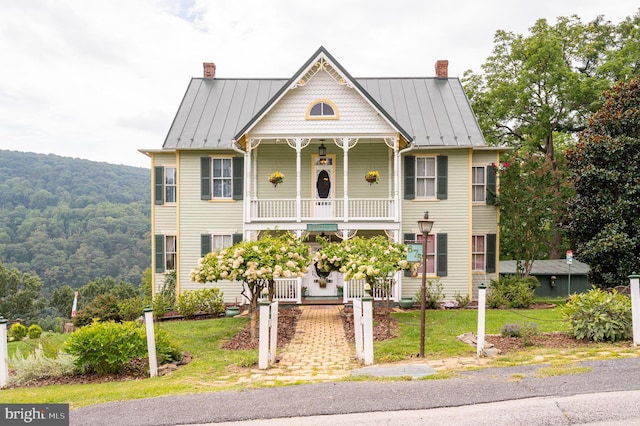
100,79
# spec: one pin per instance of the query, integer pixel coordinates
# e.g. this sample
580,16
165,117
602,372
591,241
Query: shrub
512,292
131,309
526,331
39,365
599,316
461,300
434,295
34,331
107,347
161,305
18,331
103,307
207,300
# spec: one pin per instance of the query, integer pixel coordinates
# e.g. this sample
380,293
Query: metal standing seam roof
547,267
431,111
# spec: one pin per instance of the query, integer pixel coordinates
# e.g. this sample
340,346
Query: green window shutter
238,177
491,186
443,170
159,253
408,237
205,244
409,177
441,255
236,238
490,258
205,178
159,185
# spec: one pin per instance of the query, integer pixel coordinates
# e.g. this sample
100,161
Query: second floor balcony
308,209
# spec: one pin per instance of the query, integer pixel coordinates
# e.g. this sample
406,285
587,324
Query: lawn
442,327
212,369
215,369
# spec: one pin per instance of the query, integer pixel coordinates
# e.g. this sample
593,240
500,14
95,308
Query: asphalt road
603,396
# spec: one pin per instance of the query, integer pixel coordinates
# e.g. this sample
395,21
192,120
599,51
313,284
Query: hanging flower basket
372,177
276,177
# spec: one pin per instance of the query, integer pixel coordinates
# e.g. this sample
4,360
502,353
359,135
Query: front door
323,172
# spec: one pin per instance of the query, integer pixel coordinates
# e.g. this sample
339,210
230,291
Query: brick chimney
209,70
442,69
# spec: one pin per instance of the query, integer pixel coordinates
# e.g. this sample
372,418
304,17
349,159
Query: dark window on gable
322,109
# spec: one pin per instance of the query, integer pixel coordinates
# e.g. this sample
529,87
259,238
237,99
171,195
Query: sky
100,79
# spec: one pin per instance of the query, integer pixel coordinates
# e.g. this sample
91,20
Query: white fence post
151,342
482,297
357,328
634,285
363,327
367,325
273,331
4,354
263,342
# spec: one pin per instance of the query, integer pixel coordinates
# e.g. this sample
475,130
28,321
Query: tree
375,260
605,213
546,84
62,301
20,294
256,264
528,202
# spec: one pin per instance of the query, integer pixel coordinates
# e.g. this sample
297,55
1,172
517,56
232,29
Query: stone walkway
319,352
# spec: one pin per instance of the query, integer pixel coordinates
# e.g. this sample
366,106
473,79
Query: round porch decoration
372,176
276,177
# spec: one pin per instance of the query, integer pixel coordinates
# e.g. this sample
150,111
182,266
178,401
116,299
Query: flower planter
232,311
406,302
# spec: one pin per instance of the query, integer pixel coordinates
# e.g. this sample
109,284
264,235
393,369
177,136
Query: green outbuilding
556,278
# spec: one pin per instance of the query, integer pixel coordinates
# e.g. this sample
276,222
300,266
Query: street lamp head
425,224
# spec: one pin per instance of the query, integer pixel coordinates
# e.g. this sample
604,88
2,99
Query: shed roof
427,111
547,267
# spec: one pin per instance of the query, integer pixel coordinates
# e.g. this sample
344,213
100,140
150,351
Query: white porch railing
354,289
288,290
286,210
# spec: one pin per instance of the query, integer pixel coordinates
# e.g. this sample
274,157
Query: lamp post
425,226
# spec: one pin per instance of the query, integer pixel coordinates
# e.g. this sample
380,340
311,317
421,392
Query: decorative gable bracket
322,64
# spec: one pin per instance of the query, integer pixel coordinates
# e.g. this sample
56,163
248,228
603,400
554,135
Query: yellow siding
201,217
450,216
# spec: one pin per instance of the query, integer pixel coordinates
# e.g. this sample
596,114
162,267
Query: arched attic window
322,109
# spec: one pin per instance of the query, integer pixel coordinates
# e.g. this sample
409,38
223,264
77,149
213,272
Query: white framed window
220,241
478,184
478,253
170,188
169,252
221,177
426,174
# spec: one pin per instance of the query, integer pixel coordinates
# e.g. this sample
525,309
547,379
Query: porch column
345,144
397,178
247,185
298,144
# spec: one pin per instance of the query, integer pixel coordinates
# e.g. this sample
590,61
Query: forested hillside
71,221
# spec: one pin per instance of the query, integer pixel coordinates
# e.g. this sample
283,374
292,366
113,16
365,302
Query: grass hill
71,221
